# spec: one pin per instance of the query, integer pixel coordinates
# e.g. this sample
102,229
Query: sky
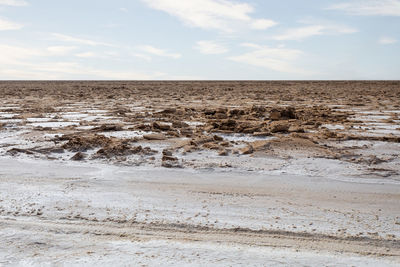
200,40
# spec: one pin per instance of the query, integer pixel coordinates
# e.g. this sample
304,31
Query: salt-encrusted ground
94,173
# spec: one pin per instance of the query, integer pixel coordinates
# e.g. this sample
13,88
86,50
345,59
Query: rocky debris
200,140
258,111
296,129
260,145
263,133
287,146
144,127
279,127
161,126
247,150
108,128
372,160
320,114
225,143
154,136
84,143
108,147
166,152
168,111
42,129
218,113
15,151
227,125
180,143
121,149
57,150
218,138
236,126
173,133
169,158
285,113
209,112
186,132
387,138
179,124
189,148
169,161
31,151
223,152
121,111
240,108
328,134
212,146
236,113
248,127
78,156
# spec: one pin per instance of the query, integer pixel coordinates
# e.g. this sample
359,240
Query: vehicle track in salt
188,233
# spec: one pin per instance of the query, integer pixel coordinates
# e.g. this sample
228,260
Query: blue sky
200,39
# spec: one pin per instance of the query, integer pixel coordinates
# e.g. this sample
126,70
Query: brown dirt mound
290,145
83,143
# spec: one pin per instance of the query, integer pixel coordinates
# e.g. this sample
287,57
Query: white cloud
142,56
86,55
210,47
277,59
211,14
6,25
302,33
19,62
10,54
123,9
370,7
60,50
13,3
262,24
68,38
387,40
158,52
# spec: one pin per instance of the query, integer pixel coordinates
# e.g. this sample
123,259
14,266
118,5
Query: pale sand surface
75,213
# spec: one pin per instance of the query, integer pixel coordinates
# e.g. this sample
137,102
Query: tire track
190,233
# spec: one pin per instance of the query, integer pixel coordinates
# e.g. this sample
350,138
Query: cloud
387,40
211,14
277,59
369,7
60,50
6,25
13,3
19,62
10,54
86,55
302,33
68,70
142,56
158,52
68,38
210,48
262,24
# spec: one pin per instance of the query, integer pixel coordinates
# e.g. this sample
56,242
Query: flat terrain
200,173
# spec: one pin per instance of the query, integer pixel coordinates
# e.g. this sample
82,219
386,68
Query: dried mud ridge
274,119
132,230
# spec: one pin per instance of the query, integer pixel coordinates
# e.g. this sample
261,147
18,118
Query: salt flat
200,173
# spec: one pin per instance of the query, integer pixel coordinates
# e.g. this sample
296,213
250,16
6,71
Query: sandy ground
200,173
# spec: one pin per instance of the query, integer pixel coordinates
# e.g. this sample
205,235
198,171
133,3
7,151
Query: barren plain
200,173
